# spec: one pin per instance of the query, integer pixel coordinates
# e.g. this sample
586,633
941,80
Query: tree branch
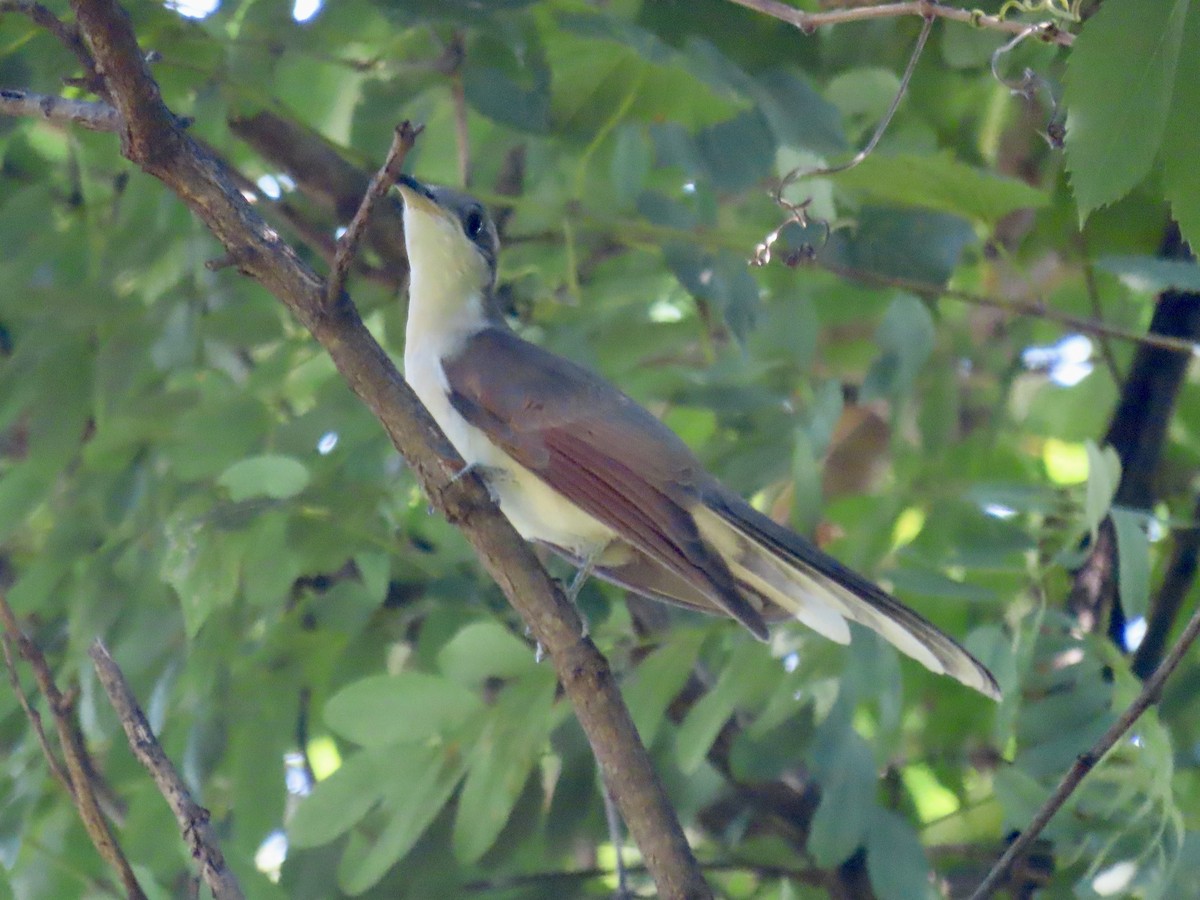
95,116
347,245
193,819
1036,308
323,175
34,717
810,22
78,766
153,140
1176,585
1087,761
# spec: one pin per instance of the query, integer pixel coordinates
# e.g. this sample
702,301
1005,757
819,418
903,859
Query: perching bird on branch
579,467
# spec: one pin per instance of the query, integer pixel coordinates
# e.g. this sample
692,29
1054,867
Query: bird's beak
419,198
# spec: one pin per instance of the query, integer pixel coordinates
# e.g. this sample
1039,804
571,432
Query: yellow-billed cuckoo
581,468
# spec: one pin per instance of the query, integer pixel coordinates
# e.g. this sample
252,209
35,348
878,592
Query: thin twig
1028,86
193,819
95,116
612,817
1177,583
347,247
796,174
810,22
35,718
1093,292
321,241
1088,760
77,768
1036,308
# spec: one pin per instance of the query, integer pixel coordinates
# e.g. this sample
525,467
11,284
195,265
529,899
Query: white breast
536,510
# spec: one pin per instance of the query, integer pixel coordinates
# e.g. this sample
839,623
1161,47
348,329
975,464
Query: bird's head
451,242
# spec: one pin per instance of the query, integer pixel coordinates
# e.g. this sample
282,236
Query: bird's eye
473,225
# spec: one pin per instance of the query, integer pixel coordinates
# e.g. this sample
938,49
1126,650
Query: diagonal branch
347,245
323,175
1088,760
192,818
153,140
809,22
34,717
78,766
1037,308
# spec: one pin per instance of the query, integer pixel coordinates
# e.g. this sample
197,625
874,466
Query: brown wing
599,449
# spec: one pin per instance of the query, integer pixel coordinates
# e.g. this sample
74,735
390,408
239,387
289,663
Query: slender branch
323,175
193,819
796,174
347,245
1088,760
154,141
1037,308
1176,584
77,765
1094,584
1093,292
320,240
95,116
810,22
34,717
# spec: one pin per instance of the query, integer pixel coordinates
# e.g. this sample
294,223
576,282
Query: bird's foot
489,475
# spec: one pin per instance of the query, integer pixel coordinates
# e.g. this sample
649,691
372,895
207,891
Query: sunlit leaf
412,707
1120,77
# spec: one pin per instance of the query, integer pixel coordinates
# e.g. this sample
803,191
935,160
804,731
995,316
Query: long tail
773,562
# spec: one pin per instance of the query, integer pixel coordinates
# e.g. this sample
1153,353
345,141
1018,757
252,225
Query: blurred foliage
184,474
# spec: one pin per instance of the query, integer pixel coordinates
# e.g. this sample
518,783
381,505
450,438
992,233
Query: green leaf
1120,77
747,679
798,115
268,475
604,67
505,77
411,707
905,339
911,244
659,679
1104,476
202,565
416,783
1181,142
485,650
501,761
896,861
633,155
738,153
338,802
1133,560
940,182
375,568
1152,274
847,774
722,279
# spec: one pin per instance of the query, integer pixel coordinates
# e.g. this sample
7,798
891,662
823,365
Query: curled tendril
1059,9
797,214
1030,82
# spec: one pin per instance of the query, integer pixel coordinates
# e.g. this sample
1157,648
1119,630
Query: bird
579,467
